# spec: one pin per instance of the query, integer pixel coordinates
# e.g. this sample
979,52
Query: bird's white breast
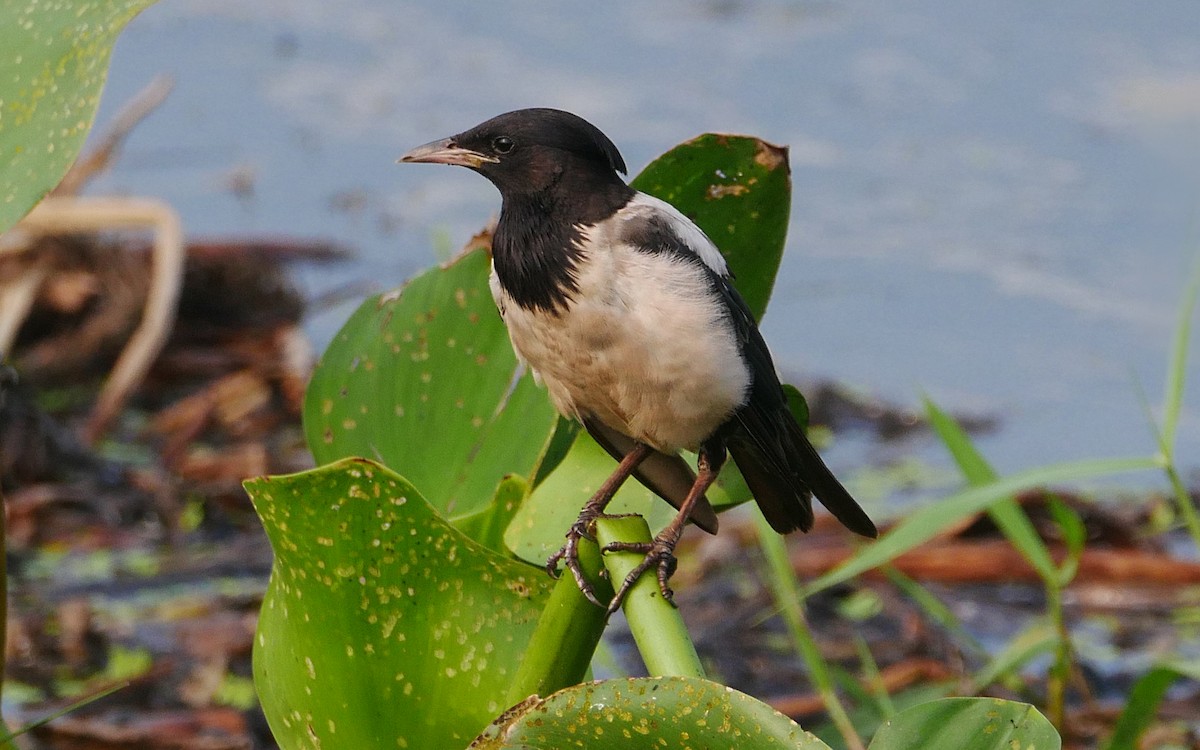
644,346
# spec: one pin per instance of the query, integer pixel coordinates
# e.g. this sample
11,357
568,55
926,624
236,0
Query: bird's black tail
784,471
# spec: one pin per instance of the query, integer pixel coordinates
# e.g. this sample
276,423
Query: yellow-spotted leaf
382,625
968,724
53,63
425,381
667,713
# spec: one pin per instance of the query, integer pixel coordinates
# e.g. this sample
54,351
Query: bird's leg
661,551
593,509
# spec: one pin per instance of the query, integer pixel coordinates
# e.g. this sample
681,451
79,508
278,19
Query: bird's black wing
667,476
778,462
780,465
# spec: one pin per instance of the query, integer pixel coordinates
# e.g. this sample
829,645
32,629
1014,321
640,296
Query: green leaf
1074,535
53,63
968,724
671,713
422,381
927,522
1038,638
737,189
382,626
797,404
1007,514
1143,702
487,526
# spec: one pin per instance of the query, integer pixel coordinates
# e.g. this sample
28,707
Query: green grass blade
1143,701
934,609
1007,514
928,522
1039,638
1177,365
786,589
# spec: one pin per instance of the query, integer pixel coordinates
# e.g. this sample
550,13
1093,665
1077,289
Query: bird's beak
446,151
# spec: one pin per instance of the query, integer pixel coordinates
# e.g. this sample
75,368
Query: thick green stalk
566,635
656,625
786,589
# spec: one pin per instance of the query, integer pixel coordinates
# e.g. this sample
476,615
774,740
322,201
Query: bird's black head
528,151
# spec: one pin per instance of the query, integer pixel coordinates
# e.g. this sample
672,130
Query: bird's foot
660,553
568,554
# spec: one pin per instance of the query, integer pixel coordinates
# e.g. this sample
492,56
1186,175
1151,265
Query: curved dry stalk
68,215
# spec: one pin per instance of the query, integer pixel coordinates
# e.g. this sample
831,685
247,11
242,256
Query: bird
626,313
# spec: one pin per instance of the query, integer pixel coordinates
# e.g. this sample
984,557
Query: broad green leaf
738,190
487,526
1143,701
382,625
53,63
669,713
968,724
422,381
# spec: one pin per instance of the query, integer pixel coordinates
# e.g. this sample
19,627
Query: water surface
992,203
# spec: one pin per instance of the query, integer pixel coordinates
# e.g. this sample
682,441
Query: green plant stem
1183,500
566,636
1060,670
786,589
872,677
656,625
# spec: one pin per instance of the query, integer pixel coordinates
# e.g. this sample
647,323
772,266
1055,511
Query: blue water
992,202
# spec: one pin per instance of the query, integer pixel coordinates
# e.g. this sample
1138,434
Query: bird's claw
660,553
569,555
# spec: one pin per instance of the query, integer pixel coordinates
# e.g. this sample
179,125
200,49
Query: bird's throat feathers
539,241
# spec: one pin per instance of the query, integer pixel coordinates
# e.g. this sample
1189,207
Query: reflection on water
991,203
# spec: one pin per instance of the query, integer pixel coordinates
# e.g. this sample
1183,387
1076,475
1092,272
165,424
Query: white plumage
645,346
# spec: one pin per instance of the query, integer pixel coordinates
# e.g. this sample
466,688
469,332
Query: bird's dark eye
502,144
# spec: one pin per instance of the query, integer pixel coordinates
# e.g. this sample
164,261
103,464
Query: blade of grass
1040,638
1007,514
927,522
934,609
1143,702
102,693
786,589
1173,400
1177,364
873,678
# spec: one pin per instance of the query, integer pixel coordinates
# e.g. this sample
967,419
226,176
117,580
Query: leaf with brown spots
738,189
